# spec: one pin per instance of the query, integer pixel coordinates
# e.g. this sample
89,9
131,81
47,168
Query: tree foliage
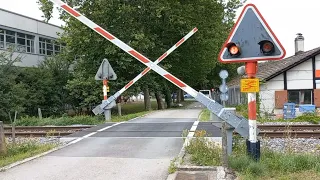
150,27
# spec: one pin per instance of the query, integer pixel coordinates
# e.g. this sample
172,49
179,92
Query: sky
285,17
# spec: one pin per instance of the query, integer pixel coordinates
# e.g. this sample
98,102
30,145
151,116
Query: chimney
299,44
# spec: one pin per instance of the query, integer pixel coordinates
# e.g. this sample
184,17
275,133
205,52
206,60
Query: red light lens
234,50
267,47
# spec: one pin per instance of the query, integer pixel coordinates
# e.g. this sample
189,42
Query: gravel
297,145
41,140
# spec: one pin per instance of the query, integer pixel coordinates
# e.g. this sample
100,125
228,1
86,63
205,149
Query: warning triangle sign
105,71
252,36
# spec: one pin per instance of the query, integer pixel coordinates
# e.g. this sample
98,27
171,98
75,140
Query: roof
270,69
1,9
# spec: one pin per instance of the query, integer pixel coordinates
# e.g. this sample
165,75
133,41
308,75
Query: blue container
307,108
289,111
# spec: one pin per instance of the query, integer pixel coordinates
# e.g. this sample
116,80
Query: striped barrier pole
253,145
163,56
105,91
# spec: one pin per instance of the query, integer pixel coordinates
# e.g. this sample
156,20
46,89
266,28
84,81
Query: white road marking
193,128
93,133
88,135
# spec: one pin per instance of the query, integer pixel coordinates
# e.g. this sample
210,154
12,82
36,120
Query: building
32,39
295,79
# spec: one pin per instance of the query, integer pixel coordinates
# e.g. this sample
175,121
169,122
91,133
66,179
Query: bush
308,117
204,152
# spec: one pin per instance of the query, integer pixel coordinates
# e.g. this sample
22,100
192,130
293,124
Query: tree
12,93
150,27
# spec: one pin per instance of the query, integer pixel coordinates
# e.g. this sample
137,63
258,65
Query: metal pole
253,145
107,113
224,145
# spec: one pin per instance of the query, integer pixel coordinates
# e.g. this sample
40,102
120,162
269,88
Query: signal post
251,40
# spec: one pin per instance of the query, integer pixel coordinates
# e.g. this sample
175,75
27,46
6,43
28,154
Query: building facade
32,39
295,79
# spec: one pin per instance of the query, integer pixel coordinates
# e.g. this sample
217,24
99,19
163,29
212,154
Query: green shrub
203,152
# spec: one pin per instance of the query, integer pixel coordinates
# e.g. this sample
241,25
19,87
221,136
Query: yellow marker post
250,85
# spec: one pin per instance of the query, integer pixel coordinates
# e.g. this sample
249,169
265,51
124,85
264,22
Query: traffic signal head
251,39
266,47
233,49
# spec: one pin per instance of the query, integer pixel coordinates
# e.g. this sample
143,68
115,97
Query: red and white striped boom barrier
162,57
240,124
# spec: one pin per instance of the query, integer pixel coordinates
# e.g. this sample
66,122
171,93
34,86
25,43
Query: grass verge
203,152
83,120
272,165
20,151
204,115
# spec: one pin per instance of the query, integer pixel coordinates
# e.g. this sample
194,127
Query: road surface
139,149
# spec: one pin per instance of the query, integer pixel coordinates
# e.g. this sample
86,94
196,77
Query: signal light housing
266,47
233,49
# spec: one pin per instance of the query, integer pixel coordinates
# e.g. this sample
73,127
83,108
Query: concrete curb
50,151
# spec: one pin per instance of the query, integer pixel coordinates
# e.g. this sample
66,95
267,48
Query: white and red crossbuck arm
162,57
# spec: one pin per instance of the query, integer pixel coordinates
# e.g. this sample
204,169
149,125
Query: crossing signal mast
251,40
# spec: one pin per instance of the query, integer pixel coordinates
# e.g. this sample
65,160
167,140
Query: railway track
271,131
293,131
42,131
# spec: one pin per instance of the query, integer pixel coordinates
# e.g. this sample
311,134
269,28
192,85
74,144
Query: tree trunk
147,102
159,100
182,95
168,98
178,96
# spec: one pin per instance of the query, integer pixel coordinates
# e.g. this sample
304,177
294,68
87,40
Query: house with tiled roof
295,79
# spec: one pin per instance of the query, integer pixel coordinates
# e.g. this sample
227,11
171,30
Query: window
300,96
11,39
1,39
49,47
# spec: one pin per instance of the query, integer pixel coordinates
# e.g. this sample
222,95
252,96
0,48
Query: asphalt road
138,149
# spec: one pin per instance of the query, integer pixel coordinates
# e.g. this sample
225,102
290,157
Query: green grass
204,115
83,120
272,165
17,152
203,152
172,168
